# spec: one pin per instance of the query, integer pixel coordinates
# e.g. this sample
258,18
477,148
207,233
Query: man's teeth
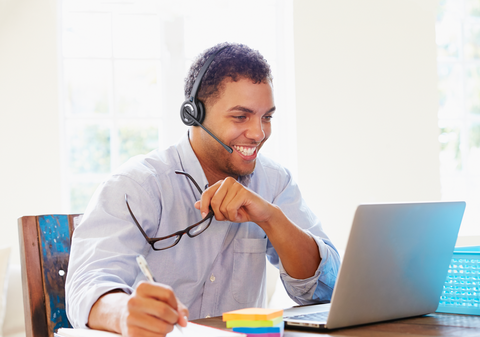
246,151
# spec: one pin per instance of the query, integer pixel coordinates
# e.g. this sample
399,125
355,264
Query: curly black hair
236,61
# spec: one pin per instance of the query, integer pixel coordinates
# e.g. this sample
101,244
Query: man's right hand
152,310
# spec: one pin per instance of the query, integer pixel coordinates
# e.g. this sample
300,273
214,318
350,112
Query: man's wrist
276,216
107,312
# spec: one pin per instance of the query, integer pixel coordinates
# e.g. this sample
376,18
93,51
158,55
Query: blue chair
45,250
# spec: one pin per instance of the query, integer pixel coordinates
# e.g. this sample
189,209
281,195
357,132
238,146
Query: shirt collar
189,161
245,180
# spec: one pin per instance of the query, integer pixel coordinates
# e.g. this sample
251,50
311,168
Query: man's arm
231,201
152,310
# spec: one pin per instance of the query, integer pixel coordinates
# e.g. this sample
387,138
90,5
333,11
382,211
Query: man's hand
231,201
152,310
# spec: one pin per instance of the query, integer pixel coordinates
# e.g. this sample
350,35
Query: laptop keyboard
315,316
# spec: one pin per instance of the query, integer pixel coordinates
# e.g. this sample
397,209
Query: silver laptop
395,264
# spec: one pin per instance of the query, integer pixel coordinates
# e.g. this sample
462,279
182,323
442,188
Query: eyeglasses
171,240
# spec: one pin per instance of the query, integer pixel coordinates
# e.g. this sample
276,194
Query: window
458,50
123,63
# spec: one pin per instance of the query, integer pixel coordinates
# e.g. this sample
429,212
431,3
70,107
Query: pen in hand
142,263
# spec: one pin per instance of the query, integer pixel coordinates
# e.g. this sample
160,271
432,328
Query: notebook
395,264
192,330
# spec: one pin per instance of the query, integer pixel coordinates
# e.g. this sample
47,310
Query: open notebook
192,330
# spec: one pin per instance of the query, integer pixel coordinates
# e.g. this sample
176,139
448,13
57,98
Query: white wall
29,127
366,88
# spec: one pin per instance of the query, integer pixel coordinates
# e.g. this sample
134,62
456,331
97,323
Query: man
258,210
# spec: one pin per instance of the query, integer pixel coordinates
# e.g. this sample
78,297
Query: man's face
241,119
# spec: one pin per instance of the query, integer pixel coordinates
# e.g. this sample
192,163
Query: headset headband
203,70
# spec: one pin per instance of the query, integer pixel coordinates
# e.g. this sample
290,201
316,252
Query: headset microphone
228,148
192,111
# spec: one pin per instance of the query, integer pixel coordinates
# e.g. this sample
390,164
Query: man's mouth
247,151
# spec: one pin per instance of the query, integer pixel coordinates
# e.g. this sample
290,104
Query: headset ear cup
188,106
200,112
192,106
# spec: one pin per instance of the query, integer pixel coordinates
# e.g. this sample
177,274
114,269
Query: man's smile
246,151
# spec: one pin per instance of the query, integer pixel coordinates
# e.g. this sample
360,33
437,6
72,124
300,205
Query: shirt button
212,278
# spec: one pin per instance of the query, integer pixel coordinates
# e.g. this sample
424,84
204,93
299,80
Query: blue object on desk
461,292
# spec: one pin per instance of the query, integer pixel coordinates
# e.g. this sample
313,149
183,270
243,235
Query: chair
44,250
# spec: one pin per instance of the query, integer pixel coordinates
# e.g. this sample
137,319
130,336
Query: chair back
45,250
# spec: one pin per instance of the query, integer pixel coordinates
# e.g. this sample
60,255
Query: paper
66,332
197,330
192,330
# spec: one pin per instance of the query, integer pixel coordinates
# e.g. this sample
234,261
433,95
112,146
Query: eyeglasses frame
180,233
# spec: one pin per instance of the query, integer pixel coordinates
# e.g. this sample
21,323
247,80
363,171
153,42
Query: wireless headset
192,111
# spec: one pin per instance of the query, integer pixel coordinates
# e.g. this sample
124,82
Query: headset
192,111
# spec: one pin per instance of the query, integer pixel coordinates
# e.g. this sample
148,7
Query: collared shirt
220,270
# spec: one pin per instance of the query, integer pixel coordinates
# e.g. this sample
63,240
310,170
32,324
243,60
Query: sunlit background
123,68
364,111
120,60
458,50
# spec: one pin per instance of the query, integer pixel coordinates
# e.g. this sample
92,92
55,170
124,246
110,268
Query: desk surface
428,325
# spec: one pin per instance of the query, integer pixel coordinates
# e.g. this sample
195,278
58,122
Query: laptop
395,265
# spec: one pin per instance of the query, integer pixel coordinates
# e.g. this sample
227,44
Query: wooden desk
429,325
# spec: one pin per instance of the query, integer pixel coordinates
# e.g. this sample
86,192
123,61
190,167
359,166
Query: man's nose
255,130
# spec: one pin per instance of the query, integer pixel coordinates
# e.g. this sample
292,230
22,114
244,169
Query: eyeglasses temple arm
191,179
136,222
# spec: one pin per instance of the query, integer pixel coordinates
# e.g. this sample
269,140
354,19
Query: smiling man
251,208
242,117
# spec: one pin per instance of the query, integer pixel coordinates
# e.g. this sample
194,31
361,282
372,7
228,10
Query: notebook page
197,330
192,330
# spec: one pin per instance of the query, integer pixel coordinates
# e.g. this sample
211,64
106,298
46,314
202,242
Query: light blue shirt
222,269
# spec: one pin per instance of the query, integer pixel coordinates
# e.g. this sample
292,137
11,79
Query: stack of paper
256,322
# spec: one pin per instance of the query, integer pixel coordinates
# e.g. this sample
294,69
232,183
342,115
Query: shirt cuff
319,287
79,313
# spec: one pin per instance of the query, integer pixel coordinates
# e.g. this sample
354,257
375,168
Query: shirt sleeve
99,261
319,287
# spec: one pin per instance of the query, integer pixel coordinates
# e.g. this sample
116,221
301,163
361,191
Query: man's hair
235,62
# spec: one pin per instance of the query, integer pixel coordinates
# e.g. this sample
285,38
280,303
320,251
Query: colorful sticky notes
256,322
252,314
268,334
261,330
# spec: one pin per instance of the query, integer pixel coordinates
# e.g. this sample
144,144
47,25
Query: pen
142,263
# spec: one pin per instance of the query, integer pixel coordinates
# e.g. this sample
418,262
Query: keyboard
314,316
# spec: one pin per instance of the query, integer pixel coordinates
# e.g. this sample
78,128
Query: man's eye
268,117
239,117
